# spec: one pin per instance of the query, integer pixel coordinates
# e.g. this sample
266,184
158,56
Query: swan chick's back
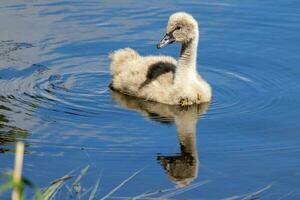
119,58
148,77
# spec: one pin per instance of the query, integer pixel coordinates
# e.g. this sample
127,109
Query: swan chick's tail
119,57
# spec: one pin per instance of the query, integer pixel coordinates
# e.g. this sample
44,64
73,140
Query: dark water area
54,96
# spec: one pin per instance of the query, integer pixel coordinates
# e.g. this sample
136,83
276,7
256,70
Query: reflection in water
54,74
181,168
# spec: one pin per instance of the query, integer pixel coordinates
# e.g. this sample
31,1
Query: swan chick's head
182,28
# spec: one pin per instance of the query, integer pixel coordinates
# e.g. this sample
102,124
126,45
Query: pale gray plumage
162,78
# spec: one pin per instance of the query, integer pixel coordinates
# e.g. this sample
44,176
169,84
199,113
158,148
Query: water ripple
77,93
234,91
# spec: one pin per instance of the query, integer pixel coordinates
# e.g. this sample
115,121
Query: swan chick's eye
178,28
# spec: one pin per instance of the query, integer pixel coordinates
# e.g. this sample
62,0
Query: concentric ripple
77,93
235,93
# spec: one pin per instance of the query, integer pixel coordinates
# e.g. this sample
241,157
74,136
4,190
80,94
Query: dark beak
168,39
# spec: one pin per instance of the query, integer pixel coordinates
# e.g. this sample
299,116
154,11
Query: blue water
54,73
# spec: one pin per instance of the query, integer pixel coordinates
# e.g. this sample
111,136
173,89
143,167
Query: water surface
54,73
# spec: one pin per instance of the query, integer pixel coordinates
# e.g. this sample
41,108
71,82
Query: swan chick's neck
188,54
186,68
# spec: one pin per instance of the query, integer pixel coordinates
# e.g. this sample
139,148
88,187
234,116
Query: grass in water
17,183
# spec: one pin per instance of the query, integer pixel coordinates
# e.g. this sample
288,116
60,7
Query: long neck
186,129
186,67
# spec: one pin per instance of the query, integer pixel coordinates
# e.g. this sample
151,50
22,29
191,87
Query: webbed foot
184,102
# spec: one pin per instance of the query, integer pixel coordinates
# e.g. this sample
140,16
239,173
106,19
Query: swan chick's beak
167,39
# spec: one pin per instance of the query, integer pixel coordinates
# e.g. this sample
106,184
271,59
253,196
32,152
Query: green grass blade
121,184
50,191
6,186
257,192
76,184
248,196
93,193
38,195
